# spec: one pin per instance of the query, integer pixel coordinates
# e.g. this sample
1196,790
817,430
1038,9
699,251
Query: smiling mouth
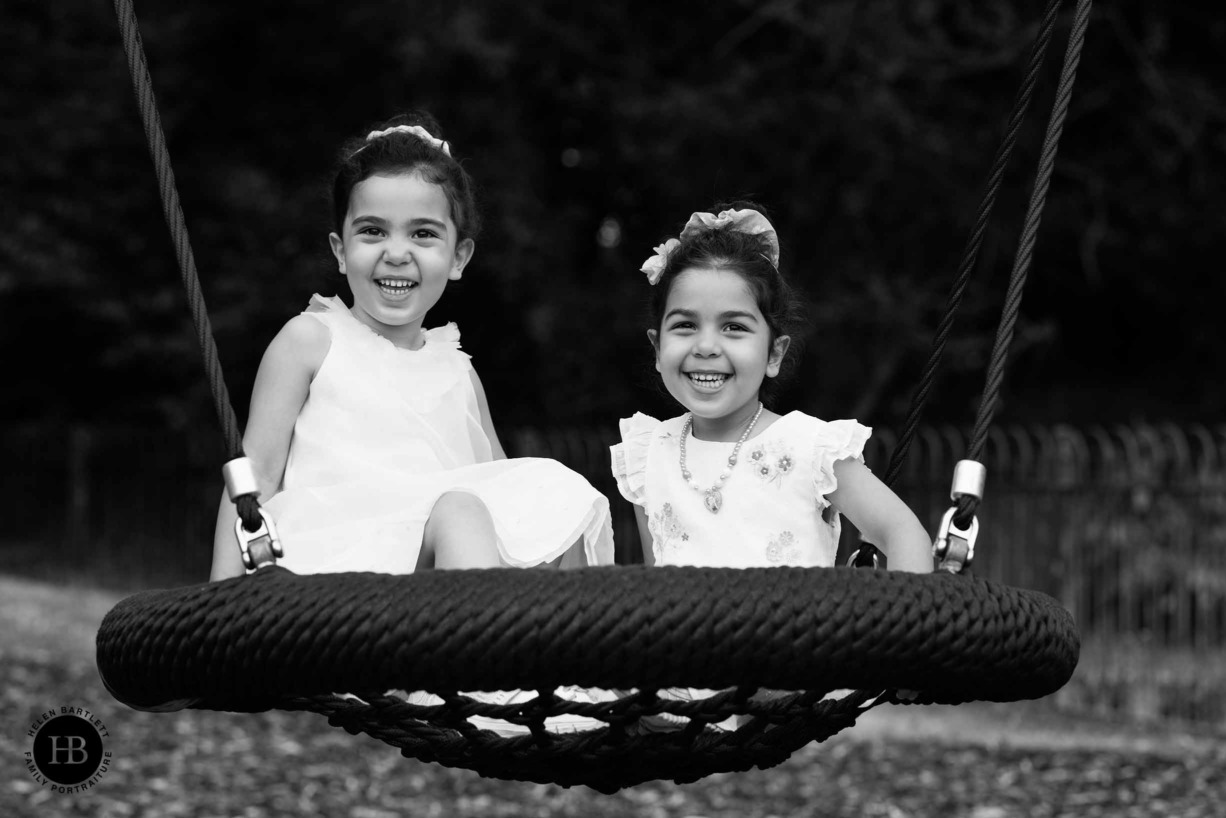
708,380
395,286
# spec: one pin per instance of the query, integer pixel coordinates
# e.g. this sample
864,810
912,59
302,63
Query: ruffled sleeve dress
774,509
384,432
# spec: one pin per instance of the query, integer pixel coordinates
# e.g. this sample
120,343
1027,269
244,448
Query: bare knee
459,533
456,504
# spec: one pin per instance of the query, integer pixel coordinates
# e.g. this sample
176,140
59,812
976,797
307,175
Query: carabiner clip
260,547
855,555
954,547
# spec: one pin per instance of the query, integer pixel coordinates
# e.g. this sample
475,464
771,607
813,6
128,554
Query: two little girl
372,439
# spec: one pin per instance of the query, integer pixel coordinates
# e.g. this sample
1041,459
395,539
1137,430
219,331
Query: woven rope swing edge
245,643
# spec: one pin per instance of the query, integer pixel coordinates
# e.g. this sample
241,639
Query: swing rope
1025,252
966,504
970,254
276,639
172,209
867,555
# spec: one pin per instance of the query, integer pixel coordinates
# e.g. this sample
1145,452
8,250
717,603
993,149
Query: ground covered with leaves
980,761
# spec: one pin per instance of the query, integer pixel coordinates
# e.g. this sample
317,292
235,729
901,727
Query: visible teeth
707,379
396,284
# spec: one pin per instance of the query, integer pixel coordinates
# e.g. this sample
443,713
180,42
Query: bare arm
281,387
486,422
883,518
649,553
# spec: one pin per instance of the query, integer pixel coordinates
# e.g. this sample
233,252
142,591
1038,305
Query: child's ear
775,360
338,250
463,254
654,337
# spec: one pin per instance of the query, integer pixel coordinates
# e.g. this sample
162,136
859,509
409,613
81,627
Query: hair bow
744,221
654,266
417,131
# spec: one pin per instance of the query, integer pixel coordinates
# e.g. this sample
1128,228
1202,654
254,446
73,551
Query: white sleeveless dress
383,433
775,510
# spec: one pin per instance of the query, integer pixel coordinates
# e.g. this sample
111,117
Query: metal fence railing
1125,525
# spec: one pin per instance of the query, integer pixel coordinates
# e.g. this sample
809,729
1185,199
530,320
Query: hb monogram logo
75,750
67,754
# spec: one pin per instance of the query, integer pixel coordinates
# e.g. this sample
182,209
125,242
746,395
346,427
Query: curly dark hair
748,255
400,154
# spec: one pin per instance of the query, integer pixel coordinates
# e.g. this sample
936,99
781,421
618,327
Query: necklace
712,498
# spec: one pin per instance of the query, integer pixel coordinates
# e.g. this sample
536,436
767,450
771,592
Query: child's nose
396,252
706,344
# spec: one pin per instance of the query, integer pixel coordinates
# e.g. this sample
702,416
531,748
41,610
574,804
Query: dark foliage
593,130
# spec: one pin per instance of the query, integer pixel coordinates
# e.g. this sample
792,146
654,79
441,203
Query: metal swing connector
260,547
855,555
954,547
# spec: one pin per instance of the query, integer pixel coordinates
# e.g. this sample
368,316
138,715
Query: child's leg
573,557
459,534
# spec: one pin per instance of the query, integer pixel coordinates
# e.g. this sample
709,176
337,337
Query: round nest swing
798,653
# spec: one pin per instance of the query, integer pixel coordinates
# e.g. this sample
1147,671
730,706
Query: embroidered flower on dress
666,529
783,549
770,461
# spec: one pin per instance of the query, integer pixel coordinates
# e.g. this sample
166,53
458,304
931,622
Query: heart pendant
713,501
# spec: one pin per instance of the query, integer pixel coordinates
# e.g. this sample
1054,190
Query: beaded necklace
713,498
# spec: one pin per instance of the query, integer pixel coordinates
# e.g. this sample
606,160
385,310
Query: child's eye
736,328
370,231
682,325
423,233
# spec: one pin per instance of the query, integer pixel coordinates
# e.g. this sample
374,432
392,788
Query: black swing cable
867,554
970,254
967,503
142,83
1025,253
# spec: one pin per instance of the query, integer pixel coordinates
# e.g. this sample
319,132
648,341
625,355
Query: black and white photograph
727,409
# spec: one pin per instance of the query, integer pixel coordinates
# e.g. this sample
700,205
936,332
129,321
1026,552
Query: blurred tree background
866,127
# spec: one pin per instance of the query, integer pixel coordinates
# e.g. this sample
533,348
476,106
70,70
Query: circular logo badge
67,753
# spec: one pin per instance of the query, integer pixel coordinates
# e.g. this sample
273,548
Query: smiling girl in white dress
731,483
370,435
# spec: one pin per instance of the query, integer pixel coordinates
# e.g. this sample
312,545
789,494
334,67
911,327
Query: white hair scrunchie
744,221
418,131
